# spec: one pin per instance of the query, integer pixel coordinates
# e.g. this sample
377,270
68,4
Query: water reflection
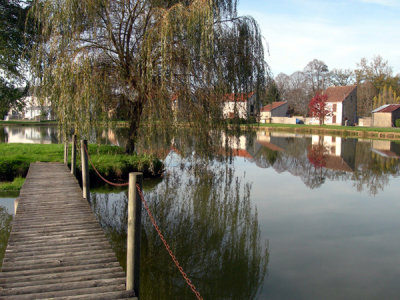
206,215
5,229
29,135
314,158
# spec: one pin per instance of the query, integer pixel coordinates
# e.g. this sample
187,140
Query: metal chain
105,180
153,221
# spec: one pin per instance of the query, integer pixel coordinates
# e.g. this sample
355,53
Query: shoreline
349,131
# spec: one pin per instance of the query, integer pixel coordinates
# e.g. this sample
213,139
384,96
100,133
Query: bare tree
341,77
317,72
282,82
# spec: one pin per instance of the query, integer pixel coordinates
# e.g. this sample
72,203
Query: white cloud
294,41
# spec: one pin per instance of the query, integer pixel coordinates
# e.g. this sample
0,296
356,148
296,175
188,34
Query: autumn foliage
318,107
317,155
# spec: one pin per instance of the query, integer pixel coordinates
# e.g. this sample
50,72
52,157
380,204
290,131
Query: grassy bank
354,131
12,186
110,161
28,122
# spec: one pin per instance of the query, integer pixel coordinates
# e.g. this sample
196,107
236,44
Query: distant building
386,115
239,105
342,102
275,109
32,110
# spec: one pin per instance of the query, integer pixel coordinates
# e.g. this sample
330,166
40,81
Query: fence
135,201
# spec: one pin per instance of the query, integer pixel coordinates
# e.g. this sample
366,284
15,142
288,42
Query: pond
285,216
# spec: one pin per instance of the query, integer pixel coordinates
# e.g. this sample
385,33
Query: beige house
32,110
386,115
342,102
275,109
239,105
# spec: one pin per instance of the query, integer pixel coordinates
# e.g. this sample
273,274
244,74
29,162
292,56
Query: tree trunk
134,122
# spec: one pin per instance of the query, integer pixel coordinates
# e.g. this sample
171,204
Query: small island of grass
110,161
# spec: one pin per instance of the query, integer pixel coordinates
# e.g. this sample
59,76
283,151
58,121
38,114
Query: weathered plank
56,247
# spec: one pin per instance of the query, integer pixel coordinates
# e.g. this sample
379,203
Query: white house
32,110
342,102
238,105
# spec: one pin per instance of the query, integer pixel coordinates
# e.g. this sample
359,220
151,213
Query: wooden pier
56,247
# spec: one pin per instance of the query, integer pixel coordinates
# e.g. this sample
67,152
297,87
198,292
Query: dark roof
387,108
273,105
338,93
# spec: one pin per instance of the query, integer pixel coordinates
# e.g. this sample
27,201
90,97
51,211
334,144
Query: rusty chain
153,221
97,172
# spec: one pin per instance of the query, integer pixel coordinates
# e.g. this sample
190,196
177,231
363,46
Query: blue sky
337,32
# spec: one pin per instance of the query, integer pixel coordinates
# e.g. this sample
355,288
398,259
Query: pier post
16,201
85,171
133,240
73,156
66,152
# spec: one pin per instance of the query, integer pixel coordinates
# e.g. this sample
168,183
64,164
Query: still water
284,217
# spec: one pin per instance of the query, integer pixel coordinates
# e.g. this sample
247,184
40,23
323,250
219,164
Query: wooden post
16,201
85,171
73,155
133,240
66,152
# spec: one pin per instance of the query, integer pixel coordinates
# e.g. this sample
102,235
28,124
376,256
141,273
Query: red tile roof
272,106
242,97
241,153
337,163
338,93
270,146
388,108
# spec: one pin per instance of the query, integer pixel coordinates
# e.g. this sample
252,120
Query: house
342,102
239,105
386,115
32,110
275,109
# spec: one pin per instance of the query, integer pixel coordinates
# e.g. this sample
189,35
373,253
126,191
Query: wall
350,108
280,111
382,119
365,122
241,108
395,116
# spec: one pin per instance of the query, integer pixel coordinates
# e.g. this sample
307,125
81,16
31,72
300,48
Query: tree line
376,85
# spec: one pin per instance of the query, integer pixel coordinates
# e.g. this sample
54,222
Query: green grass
110,161
28,122
330,127
12,186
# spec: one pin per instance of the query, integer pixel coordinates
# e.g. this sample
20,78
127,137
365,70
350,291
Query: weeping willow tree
147,61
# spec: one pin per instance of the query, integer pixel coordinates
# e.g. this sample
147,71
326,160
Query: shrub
397,123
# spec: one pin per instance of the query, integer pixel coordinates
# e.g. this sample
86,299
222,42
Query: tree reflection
317,156
373,171
206,216
5,229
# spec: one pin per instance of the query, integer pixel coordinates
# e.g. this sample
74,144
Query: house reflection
31,135
386,149
338,153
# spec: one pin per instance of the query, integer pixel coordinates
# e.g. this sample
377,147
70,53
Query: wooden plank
56,247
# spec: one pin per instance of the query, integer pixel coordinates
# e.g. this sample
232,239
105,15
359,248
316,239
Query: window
334,107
